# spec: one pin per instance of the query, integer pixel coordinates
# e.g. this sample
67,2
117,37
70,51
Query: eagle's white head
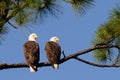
32,37
54,39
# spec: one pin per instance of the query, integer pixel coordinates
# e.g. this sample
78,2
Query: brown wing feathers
53,51
31,52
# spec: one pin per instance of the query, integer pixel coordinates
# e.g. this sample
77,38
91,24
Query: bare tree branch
66,58
97,65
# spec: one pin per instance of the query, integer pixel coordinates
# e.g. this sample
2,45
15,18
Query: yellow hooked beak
35,36
57,39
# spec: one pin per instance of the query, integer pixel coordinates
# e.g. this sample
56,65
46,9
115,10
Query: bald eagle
53,52
31,52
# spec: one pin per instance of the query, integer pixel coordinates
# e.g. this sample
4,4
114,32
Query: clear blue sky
75,33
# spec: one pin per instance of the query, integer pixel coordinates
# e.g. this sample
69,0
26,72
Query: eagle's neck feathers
54,41
31,39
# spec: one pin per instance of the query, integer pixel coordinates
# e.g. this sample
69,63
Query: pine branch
66,58
10,15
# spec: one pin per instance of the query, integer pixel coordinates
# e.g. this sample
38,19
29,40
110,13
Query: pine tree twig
63,54
12,25
97,65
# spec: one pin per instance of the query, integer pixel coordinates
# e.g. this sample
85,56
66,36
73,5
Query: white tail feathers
32,69
56,66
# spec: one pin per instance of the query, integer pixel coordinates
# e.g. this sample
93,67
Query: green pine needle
81,6
108,33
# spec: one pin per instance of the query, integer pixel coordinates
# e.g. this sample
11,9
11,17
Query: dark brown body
31,52
53,52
